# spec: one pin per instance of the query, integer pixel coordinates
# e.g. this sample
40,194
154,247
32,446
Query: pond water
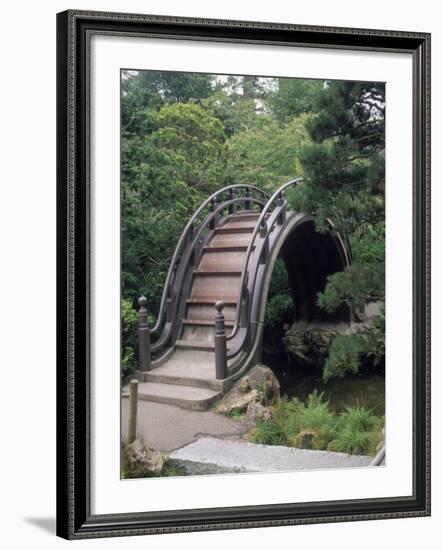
365,388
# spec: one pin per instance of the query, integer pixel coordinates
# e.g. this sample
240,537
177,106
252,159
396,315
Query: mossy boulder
259,385
141,461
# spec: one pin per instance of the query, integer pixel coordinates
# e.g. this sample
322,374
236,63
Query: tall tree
165,176
343,169
267,154
293,97
144,92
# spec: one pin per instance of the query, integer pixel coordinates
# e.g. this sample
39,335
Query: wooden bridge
210,324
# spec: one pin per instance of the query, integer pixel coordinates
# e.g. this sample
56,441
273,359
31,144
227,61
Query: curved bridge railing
230,199
277,204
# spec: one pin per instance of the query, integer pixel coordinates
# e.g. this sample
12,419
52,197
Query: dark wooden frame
74,519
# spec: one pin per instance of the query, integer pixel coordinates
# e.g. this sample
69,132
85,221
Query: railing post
282,203
132,413
220,343
232,207
144,359
213,204
243,319
247,202
263,234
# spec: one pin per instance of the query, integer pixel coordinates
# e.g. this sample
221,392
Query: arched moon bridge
209,328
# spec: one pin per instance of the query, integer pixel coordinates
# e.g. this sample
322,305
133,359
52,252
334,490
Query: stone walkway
209,455
166,427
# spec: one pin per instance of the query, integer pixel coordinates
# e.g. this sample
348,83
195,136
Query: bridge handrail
189,228
278,194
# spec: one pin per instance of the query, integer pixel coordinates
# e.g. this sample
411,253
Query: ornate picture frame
75,217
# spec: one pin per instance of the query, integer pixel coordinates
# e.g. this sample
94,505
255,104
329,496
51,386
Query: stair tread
245,225
194,344
224,246
175,391
244,215
222,260
212,299
206,312
187,367
217,271
195,300
207,322
229,238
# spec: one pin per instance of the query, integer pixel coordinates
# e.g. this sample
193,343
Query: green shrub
347,351
279,308
355,286
129,319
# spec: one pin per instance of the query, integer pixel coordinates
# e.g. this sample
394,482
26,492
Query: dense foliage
314,425
344,173
184,135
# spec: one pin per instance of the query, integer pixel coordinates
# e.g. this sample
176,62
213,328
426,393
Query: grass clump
359,432
237,415
313,425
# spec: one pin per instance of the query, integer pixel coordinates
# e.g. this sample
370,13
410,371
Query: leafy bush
355,286
279,308
129,319
347,351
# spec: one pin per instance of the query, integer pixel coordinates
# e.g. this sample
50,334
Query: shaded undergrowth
314,425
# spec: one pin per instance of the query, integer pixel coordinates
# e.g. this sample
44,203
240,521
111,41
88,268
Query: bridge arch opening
309,257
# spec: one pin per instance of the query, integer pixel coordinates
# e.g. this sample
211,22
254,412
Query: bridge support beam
220,343
144,355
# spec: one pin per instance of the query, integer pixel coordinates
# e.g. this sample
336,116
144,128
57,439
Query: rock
262,379
237,401
310,342
259,384
303,440
141,461
255,413
373,309
244,384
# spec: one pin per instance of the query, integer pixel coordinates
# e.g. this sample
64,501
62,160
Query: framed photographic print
243,274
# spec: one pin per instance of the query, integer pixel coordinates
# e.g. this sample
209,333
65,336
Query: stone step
210,455
194,345
187,397
188,367
160,377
